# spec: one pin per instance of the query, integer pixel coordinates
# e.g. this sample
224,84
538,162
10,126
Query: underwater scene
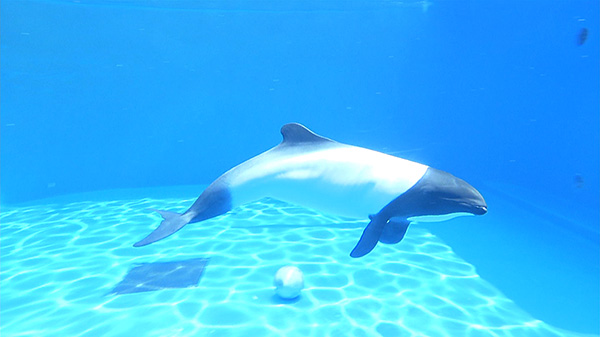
299,168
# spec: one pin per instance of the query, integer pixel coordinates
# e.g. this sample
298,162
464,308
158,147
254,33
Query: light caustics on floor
60,263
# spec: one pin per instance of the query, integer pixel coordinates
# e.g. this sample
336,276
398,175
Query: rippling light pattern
60,263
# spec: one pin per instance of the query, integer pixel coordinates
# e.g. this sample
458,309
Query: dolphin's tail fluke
172,223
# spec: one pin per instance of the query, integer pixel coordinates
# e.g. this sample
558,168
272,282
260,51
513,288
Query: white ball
289,281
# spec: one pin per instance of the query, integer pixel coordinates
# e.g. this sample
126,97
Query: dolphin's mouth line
481,210
475,209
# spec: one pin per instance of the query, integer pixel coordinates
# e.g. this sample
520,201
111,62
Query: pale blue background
105,94
137,94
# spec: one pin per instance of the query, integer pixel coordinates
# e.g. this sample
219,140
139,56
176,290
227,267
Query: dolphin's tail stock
172,223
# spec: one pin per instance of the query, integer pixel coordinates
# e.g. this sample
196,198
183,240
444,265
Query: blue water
104,103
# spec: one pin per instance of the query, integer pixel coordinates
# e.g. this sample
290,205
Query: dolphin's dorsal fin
294,133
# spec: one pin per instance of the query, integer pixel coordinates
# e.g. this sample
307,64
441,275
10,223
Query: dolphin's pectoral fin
394,231
172,223
370,237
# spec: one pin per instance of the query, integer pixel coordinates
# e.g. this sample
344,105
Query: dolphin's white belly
343,180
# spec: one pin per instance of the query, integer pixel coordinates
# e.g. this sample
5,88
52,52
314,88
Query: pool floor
61,260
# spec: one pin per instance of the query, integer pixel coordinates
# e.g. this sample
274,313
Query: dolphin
316,172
